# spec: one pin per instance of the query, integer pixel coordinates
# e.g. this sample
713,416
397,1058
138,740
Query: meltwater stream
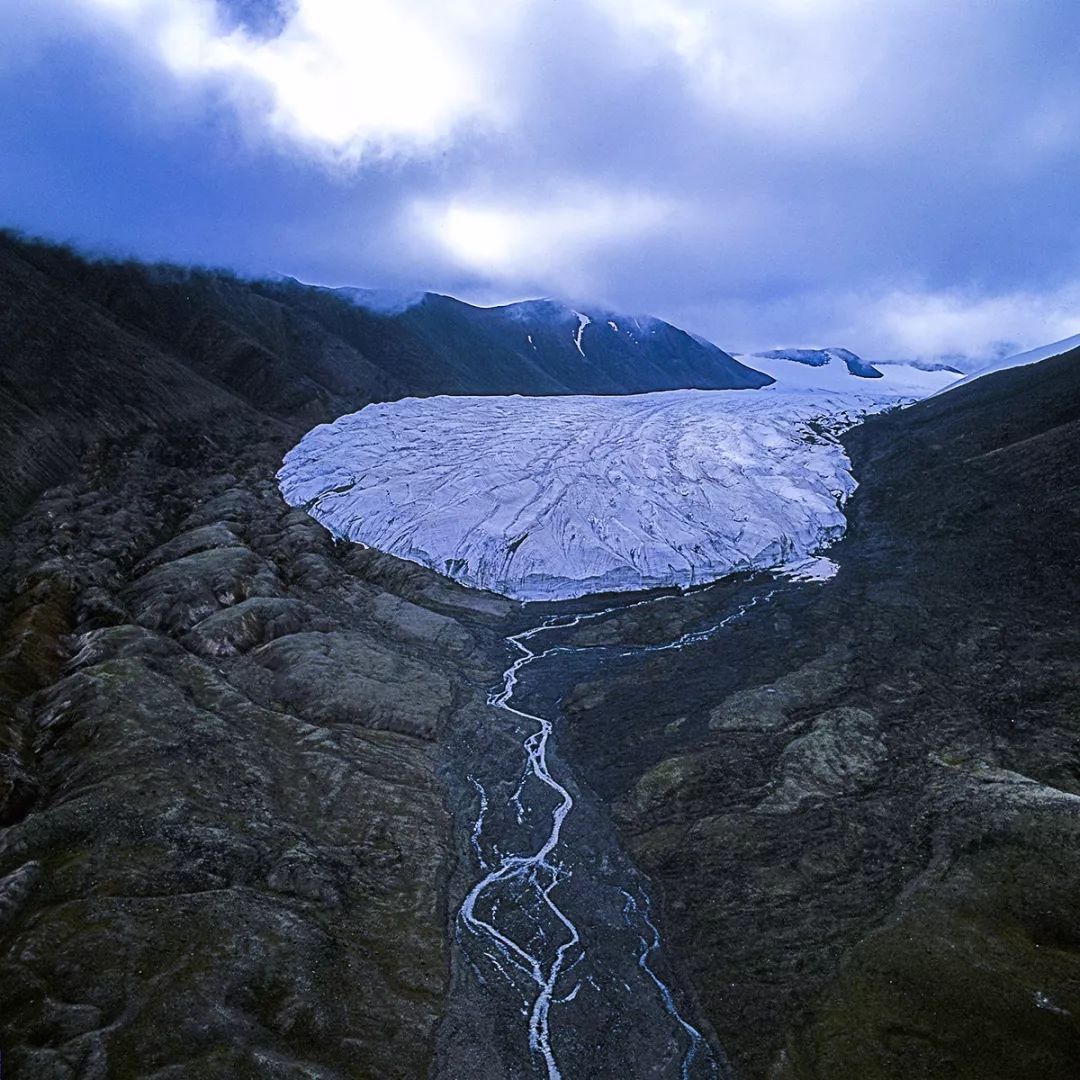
516,921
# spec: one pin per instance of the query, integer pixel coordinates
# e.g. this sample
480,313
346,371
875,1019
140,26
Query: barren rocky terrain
234,769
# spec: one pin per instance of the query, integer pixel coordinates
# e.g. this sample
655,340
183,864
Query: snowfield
1033,356
556,497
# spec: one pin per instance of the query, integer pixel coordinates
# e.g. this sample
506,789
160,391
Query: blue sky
898,178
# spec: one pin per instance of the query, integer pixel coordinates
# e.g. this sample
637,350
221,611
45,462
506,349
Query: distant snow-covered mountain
840,371
855,364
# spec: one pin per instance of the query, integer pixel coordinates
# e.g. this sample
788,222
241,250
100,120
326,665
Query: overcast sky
899,178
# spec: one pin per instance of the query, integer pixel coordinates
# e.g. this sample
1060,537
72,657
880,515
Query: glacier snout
555,497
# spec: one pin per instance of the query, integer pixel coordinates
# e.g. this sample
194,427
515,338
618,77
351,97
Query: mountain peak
552,346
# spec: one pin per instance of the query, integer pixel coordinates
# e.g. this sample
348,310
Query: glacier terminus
557,497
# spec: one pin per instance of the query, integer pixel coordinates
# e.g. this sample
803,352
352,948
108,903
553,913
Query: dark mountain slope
863,802
604,353
223,839
100,351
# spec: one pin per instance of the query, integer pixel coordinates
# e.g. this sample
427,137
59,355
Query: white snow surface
1033,356
557,497
898,380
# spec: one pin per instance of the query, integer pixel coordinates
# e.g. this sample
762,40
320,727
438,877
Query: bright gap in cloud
351,80
361,78
542,241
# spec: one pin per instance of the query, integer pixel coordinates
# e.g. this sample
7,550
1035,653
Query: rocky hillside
105,351
225,840
224,837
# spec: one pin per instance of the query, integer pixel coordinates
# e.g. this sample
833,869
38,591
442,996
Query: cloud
382,301
353,80
345,80
552,237
966,324
769,64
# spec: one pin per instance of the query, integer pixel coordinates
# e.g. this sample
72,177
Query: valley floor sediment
559,969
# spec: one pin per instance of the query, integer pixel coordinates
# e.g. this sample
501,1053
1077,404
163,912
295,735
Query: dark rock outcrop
841,754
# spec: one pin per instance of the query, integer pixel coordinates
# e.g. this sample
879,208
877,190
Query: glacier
548,498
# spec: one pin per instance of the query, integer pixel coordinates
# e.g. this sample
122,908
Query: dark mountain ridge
563,350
